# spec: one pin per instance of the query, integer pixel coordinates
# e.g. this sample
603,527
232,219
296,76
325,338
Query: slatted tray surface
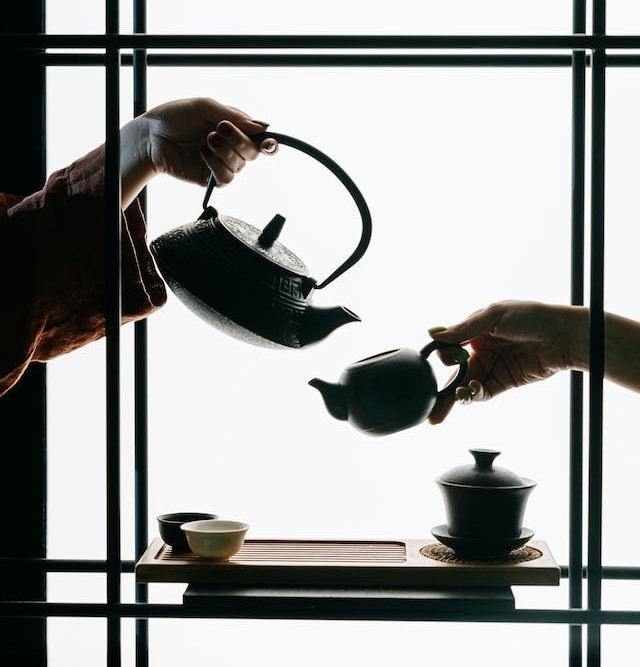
341,563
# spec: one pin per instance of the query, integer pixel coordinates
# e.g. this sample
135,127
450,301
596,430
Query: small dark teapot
244,281
387,392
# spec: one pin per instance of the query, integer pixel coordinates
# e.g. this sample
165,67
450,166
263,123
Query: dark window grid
588,51
340,60
123,41
113,565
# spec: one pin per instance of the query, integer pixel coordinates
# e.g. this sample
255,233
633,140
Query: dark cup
484,512
169,526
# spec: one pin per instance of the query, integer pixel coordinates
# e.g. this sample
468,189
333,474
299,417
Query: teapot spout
318,323
333,396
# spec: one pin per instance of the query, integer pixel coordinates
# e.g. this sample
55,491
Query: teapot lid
483,472
264,242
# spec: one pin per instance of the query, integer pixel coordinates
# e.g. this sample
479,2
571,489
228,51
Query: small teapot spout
334,398
318,323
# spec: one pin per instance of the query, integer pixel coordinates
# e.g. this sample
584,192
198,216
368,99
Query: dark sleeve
52,282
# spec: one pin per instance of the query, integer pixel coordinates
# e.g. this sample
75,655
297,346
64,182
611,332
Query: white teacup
218,539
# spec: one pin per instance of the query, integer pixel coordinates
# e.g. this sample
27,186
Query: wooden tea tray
343,563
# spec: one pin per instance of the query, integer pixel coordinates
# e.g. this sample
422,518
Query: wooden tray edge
547,573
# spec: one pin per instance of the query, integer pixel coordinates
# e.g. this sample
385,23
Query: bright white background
467,175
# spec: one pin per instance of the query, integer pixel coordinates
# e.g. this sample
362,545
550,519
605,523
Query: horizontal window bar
146,41
346,60
319,60
27,565
380,609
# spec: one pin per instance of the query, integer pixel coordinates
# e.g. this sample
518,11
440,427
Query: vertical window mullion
596,337
576,406
141,491
112,328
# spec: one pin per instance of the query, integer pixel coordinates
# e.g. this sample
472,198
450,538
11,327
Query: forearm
622,346
136,168
622,363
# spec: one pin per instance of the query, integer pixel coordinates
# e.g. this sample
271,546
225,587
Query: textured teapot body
385,393
243,293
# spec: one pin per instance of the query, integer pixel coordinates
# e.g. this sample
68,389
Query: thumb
452,334
441,409
477,324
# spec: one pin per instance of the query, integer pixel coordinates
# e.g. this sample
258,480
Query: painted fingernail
224,128
472,390
435,330
461,356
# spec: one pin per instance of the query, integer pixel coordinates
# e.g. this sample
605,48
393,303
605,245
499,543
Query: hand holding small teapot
390,391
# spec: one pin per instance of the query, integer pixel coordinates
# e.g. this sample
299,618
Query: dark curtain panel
22,410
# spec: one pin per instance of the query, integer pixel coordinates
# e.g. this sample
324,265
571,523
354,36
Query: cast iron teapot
244,281
387,392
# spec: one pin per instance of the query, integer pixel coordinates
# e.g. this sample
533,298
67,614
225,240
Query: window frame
583,52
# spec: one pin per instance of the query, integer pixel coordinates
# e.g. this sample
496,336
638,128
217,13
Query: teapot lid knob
271,231
484,457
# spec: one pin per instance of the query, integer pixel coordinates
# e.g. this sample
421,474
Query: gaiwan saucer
489,547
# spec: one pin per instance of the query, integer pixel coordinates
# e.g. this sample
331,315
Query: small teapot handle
462,369
344,178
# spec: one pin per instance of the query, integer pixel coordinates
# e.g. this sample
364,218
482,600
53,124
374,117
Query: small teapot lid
265,242
483,472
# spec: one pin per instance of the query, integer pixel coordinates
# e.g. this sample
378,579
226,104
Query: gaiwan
485,506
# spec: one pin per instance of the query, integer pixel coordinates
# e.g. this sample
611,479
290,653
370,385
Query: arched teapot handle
344,178
462,369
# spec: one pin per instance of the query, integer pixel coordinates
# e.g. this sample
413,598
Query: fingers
478,324
473,392
229,149
478,387
214,112
243,121
450,356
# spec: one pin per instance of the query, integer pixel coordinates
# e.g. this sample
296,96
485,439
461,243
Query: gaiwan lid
483,473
